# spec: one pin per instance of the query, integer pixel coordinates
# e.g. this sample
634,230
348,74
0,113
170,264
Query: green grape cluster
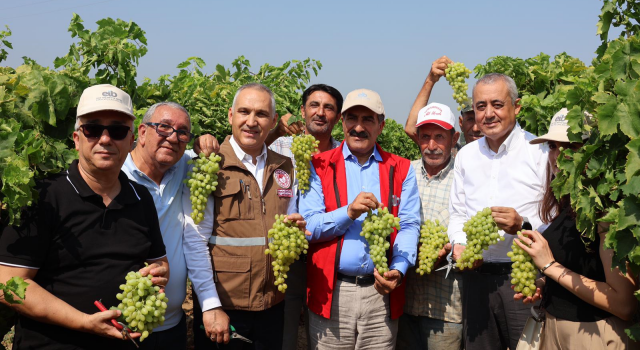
303,147
523,270
375,229
433,237
457,74
202,180
288,244
141,303
481,232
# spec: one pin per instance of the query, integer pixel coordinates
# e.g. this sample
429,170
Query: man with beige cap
352,306
90,226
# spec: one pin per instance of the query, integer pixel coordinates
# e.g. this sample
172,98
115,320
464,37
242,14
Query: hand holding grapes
298,220
159,271
507,219
363,202
385,285
206,144
442,254
99,323
283,128
437,68
538,248
537,295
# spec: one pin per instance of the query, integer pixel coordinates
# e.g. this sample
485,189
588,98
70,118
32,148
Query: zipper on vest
264,208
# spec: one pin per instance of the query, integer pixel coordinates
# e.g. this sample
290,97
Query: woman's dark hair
550,208
326,88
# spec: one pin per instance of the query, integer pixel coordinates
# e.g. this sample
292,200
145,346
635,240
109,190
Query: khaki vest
243,216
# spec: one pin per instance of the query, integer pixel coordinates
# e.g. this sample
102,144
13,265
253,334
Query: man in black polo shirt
89,228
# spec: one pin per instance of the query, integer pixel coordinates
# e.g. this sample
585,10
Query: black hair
326,88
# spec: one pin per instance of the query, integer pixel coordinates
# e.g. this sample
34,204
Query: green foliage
4,42
13,292
393,139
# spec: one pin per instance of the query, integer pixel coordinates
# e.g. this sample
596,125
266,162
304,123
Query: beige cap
366,98
104,97
436,113
558,129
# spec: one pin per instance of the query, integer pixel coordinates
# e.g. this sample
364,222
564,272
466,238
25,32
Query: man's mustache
432,153
361,134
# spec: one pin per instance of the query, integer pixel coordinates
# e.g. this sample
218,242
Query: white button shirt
513,177
196,237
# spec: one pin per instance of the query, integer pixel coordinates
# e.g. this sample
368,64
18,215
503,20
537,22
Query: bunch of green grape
523,270
481,232
375,229
141,303
202,180
288,242
303,147
433,237
457,74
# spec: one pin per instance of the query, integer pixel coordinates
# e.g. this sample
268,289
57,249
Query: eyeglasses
95,131
167,130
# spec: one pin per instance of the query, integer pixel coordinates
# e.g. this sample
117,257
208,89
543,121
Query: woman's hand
536,246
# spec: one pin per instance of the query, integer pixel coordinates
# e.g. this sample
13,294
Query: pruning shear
234,334
450,264
123,328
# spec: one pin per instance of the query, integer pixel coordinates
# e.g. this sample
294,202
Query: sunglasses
95,131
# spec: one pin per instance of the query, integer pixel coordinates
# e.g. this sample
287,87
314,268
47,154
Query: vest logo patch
285,193
282,178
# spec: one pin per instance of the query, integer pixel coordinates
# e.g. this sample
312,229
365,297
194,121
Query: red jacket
323,258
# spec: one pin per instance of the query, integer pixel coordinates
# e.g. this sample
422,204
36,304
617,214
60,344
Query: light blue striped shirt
354,259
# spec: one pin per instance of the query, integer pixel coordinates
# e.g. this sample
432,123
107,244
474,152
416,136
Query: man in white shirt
504,172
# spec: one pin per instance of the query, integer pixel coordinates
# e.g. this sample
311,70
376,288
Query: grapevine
202,180
433,237
303,147
456,74
288,244
523,272
481,232
375,229
141,303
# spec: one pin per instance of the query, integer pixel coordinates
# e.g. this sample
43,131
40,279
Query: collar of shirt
441,174
346,152
127,194
508,145
243,156
139,176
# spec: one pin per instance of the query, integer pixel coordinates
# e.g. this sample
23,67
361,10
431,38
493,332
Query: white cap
558,129
436,113
366,98
104,97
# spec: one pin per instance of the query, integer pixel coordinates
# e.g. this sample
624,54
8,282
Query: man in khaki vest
254,185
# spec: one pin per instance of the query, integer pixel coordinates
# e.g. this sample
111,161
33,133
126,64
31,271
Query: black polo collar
128,194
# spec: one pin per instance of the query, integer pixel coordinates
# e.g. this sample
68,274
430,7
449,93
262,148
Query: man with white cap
90,226
432,316
352,306
504,172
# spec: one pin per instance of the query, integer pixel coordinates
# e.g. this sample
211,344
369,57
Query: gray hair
152,110
259,87
491,78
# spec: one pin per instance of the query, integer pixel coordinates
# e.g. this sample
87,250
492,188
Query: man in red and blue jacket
350,302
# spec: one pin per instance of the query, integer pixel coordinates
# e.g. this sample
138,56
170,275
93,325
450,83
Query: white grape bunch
375,229
433,237
523,271
288,244
303,147
457,74
481,232
141,303
202,180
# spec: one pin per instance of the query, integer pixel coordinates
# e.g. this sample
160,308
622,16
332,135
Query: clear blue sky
386,46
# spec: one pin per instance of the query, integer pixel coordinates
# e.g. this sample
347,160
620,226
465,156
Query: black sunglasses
94,131
167,130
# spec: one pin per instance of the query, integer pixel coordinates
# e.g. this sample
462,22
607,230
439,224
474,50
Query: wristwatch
526,225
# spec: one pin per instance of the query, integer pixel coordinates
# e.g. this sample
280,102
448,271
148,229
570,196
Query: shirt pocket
231,202
233,280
